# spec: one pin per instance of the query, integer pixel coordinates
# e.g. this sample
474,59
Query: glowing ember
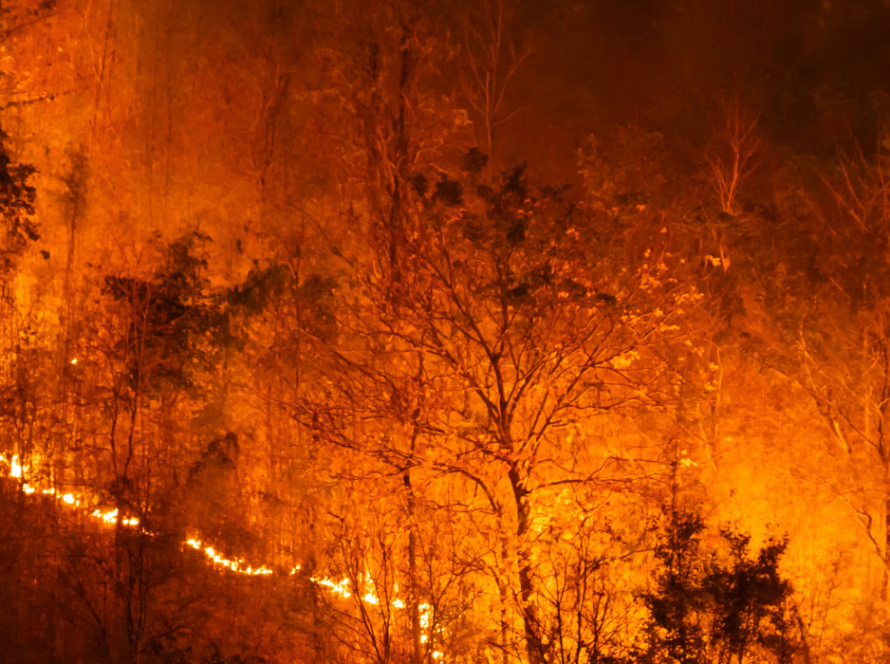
111,517
339,588
15,469
222,561
107,517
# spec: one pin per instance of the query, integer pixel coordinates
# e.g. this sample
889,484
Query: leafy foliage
441,401
174,326
17,199
709,608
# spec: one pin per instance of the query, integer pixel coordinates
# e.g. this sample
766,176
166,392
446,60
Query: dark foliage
175,326
708,607
17,199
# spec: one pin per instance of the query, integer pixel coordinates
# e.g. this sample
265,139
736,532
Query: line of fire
444,332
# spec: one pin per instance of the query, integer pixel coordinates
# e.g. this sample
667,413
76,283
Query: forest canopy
415,331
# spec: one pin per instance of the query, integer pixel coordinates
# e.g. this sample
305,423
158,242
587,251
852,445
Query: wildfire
222,561
111,517
16,471
339,588
343,589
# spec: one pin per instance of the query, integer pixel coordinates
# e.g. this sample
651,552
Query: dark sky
817,72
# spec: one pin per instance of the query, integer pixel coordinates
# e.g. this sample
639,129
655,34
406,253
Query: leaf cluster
17,199
706,607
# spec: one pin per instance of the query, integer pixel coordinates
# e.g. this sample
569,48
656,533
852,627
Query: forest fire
15,471
399,332
341,589
234,565
214,556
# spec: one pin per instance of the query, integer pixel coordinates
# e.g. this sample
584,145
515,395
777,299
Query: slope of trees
296,365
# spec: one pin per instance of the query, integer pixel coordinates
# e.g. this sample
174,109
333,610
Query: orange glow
216,558
221,561
338,588
111,517
16,471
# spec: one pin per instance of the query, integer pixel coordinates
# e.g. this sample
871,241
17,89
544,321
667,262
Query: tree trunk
413,594
885,581
533,644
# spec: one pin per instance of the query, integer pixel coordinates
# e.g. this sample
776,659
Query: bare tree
491,62
732,157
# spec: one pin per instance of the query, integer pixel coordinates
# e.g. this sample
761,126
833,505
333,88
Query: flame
222,561
15,468
339,588
111,517
16,471
343,589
